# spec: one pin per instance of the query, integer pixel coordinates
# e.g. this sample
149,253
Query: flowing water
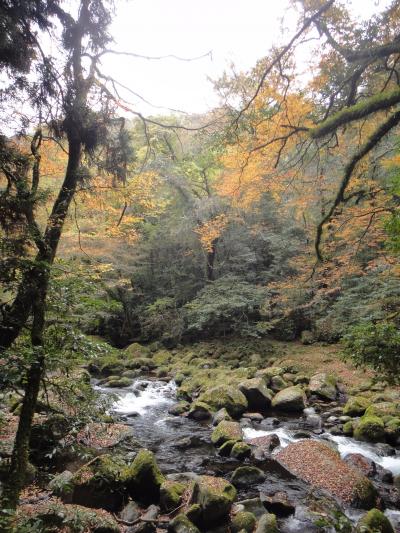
183,445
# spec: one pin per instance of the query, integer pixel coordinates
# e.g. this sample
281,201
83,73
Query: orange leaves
211,230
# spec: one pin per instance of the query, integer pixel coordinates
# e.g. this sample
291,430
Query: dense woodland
130,242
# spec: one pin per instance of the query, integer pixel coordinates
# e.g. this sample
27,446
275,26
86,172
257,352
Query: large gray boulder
291,399
257,393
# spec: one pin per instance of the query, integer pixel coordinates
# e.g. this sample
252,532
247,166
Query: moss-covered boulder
182,524
291,399
118,382
143,363
348,428
243,521
370,428
200,411
268,373
221,396
221,415
267,524
382,409
278,383
257,393
226,448
51,517
323,385
356,406
392,431
240,451
136,350
98,484
143,478
179,408
226,431
247,475
215,497
62,485
374,522
171,494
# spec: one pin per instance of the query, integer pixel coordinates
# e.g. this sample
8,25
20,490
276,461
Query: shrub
376,345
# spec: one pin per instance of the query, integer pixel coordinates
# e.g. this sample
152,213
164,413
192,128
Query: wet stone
278,504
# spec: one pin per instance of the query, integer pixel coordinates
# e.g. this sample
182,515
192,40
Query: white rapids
142,395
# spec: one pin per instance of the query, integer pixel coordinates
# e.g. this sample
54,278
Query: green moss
243,521
226,448
215,497
374,522
171,494
370,428
356,406
118,382
267,524
226,431
194,513
383,409
221,396
355,112
240,450
143,478
348,428
366,494
182,524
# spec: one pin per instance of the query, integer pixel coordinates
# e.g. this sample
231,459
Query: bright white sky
236,31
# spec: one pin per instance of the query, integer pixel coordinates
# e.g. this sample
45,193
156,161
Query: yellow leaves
211,230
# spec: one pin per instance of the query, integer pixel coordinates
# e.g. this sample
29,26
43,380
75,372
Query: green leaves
375,345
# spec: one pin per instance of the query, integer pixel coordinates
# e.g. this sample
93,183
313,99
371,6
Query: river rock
291,399
268,373
171,494
247,475
240,451
392,431
278,504
243,521
143,478
220,415
215,497
226,431
267,524
98,484
180,408
382,409
200,411
322,467
266,443
374,522
323,385
182,524
61,485
356,406
370,428
277,383
257,394
368,467
231,398
130,512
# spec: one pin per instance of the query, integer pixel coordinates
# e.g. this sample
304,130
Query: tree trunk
31,297
211,254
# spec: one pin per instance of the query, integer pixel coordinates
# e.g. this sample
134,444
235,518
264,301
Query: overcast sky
236,31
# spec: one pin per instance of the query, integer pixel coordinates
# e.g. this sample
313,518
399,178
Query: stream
183,445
